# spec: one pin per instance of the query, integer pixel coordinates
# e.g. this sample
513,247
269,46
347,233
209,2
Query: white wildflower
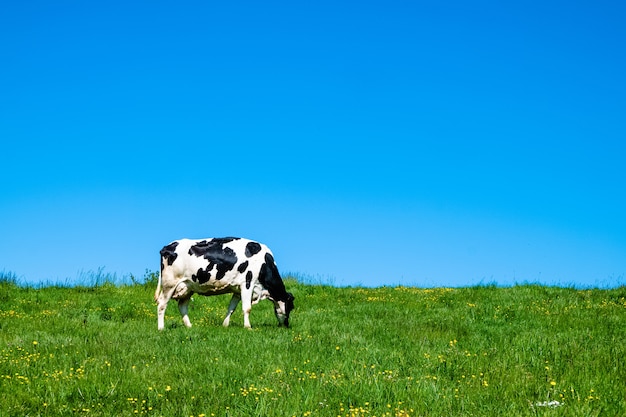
551,404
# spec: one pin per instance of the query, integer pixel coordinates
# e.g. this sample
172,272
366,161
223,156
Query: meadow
526,350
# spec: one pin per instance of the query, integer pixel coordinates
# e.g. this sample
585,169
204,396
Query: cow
217,266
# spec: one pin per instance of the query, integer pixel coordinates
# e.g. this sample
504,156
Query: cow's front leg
231,307
183,307
246,307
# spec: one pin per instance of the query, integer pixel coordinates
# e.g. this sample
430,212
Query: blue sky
367,143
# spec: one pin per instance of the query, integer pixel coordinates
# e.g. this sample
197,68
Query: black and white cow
220,266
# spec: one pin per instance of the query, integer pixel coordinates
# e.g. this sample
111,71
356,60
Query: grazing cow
221,266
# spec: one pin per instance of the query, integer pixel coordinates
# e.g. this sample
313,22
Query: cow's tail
157,292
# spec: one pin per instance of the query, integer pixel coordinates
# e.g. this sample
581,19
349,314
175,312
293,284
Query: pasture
392,351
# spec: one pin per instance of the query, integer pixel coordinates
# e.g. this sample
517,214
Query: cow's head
283,308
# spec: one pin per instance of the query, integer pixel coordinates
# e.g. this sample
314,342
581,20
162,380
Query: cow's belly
215,290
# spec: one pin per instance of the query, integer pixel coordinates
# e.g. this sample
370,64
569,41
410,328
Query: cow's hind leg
183,294
231,307
183,307
161,306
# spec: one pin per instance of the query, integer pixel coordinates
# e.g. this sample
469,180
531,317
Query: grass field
392,351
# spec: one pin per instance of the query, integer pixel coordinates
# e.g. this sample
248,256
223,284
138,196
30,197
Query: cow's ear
290,297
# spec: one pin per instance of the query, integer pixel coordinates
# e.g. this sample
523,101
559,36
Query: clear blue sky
373,143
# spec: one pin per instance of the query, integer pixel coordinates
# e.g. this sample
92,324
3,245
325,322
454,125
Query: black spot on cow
169,252
218,256
248,279
242,268
270,279
202,276
201,248
224,240
252,248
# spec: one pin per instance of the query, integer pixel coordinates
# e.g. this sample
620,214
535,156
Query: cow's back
213,261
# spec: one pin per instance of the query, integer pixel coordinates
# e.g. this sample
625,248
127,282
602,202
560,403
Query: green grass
479,351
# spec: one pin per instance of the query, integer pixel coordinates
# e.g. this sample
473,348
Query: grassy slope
482,351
